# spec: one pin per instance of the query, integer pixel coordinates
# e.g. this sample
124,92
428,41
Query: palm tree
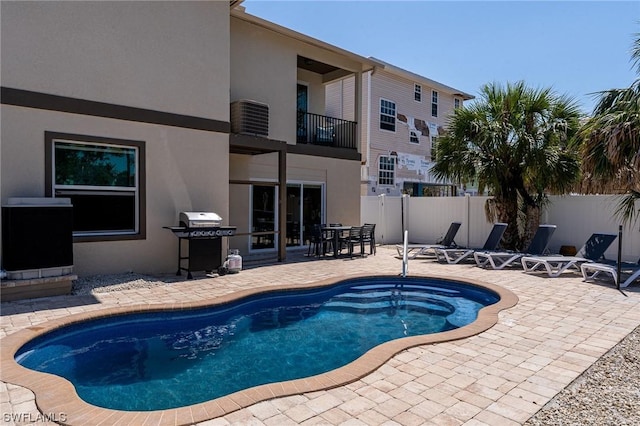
610,144
514,141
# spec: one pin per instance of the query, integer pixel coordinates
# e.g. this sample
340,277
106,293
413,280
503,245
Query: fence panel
579,216
428,218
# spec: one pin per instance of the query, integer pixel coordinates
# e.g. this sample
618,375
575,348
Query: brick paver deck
501,376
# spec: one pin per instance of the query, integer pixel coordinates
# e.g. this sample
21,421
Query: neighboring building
140,92
402,115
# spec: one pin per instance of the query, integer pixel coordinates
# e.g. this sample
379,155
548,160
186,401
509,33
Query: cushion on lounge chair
457,255
415,250
500,260
555,265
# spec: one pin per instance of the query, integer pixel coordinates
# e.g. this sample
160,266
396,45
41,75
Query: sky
576,48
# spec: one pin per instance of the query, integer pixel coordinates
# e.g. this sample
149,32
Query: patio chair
352,239
415,250
369,237
554,265
591,270
500,260
331,237
316,243
457,255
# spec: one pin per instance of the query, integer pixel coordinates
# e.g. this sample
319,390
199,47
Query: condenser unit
250,118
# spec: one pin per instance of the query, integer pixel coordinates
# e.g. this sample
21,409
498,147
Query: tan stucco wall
186,170
167,56
170,57
264,69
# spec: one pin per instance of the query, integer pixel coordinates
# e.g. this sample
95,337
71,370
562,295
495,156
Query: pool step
371,305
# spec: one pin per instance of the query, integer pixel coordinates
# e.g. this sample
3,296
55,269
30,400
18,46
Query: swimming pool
366,312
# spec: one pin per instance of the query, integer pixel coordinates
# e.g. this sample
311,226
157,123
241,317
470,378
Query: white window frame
413,137
385,111
417,92
456,103
55,189
386,170
434,103
434,146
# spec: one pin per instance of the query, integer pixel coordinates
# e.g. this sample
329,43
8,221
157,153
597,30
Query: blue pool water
163,360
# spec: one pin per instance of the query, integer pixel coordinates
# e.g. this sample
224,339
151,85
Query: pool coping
55,396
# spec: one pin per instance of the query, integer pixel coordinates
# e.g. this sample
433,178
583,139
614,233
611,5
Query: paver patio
502,376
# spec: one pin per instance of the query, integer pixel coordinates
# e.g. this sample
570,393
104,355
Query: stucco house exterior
402,115
174,106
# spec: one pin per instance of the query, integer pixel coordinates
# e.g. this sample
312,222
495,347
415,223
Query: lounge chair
415,250
500,260
457,255
593,250
591,270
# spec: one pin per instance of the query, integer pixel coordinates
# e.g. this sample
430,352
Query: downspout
468,218
368,134
342,98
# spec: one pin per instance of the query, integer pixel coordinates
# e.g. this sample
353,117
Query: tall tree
610,144
514,142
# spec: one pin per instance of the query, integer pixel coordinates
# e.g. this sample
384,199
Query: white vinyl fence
428,218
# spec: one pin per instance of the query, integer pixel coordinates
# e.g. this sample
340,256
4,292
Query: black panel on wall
35,237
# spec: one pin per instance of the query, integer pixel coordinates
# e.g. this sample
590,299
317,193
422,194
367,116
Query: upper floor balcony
323,130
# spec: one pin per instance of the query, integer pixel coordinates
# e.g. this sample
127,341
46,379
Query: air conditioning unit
250,118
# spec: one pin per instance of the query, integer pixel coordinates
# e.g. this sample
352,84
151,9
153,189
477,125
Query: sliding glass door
305,207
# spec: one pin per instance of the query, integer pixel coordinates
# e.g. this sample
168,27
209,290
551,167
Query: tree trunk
532,217
506,210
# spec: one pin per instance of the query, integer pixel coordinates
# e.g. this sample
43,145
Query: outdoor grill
202,233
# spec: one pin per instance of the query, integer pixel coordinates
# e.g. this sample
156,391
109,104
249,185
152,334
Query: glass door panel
312,211
293,214
263,217
302,104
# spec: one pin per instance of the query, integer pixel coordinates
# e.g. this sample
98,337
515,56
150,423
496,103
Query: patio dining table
336,232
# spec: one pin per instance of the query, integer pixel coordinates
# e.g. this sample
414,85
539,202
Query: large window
434,103
104,178
387,115
386,170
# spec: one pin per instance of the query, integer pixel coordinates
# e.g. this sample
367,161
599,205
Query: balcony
321,130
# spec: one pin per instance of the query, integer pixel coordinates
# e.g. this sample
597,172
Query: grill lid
200,219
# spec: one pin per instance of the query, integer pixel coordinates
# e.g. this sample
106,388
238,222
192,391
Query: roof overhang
254,145
420,79
366,64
